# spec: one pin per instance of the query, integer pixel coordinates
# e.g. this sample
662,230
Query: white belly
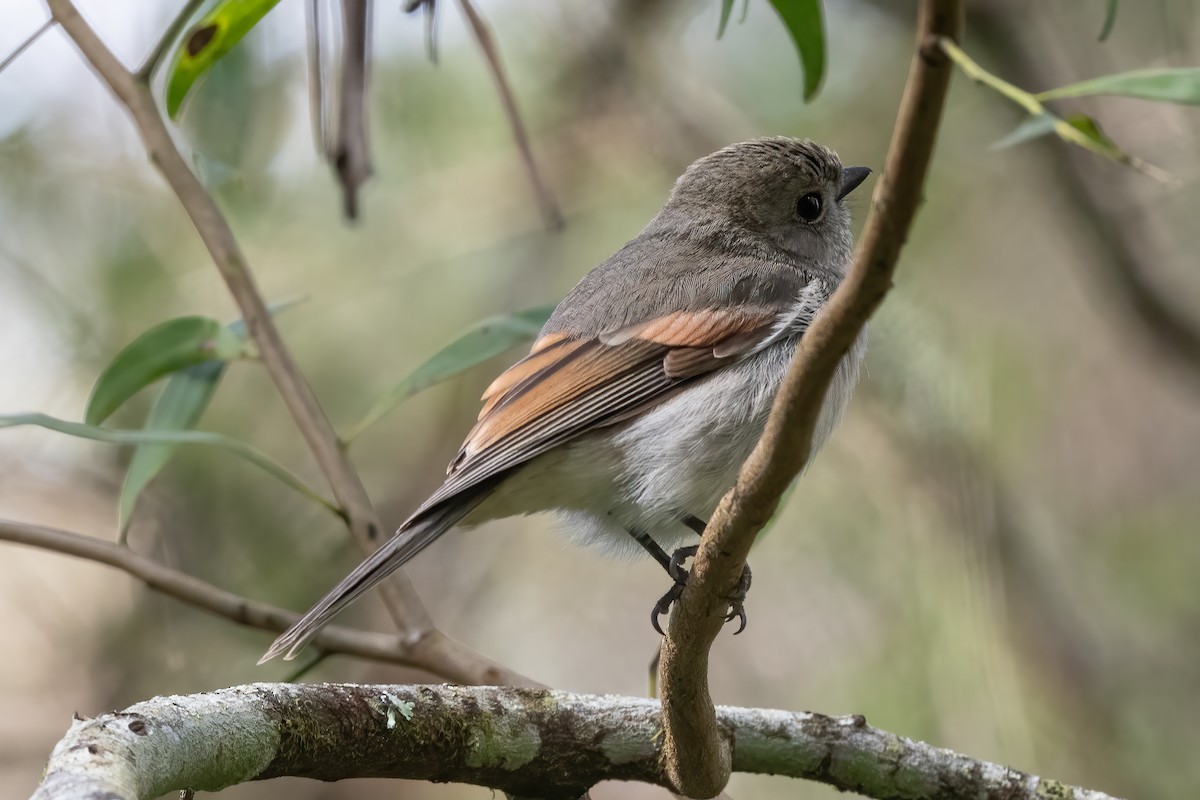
678,459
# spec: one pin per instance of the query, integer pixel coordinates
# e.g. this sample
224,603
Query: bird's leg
679,575
673,564
675,569
652,547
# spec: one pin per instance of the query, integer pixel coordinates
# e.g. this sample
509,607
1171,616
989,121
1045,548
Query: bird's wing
569,385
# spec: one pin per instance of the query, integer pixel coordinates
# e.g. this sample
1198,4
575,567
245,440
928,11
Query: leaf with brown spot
205,42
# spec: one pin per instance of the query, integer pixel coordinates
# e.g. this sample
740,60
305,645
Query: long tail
414,536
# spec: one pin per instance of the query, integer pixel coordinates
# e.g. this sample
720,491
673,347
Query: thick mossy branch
527,742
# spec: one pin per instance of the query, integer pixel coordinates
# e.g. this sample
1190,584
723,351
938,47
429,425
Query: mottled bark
527,742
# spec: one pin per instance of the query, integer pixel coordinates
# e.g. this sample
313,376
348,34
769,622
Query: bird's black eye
809,207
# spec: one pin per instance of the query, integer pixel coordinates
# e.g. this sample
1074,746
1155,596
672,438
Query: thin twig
23,46
545,198
351,155
544,744
206,597
696,753
452,661
146,71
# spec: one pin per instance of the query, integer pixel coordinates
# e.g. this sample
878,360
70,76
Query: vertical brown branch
696,753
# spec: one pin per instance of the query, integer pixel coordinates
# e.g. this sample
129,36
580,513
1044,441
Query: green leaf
178,408
174,345
1164,85
726,11
1110,19
1030,128
1091,129
802,18
1047,123
114,436
211,37
485,339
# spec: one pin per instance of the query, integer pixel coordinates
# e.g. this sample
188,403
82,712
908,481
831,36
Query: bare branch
351,156
546,202
453,661
532,743
23,46
696,752
198,594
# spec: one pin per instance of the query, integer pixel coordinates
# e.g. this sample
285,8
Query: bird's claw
737,600
680,575
664,605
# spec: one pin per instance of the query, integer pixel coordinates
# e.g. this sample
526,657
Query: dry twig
24,45
194,592
549,207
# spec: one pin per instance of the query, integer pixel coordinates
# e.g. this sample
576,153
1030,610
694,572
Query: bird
652,380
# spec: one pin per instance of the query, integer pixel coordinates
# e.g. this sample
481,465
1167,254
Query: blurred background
997,553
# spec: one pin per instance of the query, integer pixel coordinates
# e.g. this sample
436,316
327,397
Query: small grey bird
652,381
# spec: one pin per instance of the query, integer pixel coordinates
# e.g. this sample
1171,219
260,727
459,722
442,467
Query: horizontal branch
532,743
425,654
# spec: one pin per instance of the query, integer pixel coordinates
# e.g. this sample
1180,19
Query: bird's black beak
851,178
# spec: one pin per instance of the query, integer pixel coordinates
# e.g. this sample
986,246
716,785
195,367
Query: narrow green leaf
178,408
1110,19
802,18
116,436
1091,129
1164,85
726,11
485,339
211,37
1030,128
174,345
